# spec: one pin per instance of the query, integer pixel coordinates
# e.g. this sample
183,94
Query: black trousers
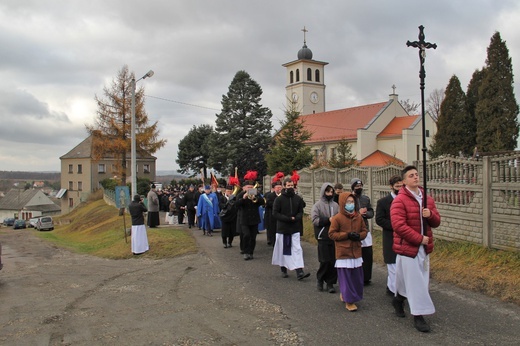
181,216
327,273
248,238
368,258
191,217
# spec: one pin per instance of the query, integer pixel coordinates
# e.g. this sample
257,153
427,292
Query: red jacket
406,221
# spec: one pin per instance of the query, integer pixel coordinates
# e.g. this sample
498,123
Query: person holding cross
412,220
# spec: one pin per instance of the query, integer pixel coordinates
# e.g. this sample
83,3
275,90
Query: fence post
487,200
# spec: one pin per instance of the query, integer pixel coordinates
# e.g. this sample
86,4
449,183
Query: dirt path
50,296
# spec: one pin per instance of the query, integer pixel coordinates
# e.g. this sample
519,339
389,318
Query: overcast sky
56,56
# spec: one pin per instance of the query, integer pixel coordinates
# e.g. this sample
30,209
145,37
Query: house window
80,186
427,133
317,76
71,202
146,168
71,185
417,153
309,74
80,169
291,77
297,75
102,168
71,169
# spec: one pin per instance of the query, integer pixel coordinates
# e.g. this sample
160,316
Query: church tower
305,90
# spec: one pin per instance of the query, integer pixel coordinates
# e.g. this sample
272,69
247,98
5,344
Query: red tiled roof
379,159
340,124
397,125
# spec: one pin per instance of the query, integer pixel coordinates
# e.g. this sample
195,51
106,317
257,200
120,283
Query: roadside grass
469,266
96,228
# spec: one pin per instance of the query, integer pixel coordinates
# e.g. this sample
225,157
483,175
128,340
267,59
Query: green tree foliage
109,184
242,130
288,149
496,110
454,125
343,156
143,186
193,152
112,128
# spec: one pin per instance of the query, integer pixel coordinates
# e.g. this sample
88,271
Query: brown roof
397,125
84,151
341,123
378,159
16,199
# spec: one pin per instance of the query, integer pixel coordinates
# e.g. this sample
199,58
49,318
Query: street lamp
133,145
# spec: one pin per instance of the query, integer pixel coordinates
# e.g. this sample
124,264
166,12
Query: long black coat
249,214
383,220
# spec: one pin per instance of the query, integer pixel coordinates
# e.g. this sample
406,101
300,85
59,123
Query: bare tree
409,106
433,104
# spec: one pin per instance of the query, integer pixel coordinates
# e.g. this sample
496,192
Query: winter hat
355,182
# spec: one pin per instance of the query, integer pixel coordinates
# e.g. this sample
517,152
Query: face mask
328,197
358,191
219,191
349,207
396,192
289,191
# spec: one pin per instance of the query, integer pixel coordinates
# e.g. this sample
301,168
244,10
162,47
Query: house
81,174
26,204
378,133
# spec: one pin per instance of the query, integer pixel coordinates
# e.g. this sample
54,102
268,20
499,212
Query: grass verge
469,266
95,228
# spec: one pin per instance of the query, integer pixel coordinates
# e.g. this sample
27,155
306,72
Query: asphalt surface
50,296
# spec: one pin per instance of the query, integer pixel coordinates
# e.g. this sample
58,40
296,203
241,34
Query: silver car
45,222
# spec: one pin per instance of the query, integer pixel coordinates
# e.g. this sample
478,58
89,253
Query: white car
33,221
44,222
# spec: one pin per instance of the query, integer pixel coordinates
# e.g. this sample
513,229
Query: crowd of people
341,228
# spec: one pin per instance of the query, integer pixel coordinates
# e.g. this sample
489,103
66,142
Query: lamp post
422,45
133,156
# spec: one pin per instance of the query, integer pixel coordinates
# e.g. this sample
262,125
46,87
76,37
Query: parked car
45,222
33,221
18,224
9,221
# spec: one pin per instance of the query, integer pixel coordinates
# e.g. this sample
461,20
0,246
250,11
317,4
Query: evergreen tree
193,152
452,134
243,129
111,133
496,110
344,157
472,97
288,149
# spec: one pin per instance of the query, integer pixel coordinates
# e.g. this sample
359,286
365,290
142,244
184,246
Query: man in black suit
383,220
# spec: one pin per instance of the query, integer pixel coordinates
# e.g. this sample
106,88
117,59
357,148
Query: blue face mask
349,207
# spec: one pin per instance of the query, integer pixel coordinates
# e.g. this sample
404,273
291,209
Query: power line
182,103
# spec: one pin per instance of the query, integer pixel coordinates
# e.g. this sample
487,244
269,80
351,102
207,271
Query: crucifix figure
393,89
304,32
422,45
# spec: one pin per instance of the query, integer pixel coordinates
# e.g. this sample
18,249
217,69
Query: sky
57,55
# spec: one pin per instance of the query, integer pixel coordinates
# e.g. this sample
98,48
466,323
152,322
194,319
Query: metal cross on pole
422,45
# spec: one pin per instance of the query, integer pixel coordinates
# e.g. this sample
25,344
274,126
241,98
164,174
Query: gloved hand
354,236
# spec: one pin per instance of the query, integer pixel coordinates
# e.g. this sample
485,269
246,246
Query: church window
297,75
291,77
317,75
309,74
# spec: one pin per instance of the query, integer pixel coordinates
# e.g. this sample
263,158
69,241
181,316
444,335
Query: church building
379,133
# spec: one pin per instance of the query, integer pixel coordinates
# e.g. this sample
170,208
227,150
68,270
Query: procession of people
341,228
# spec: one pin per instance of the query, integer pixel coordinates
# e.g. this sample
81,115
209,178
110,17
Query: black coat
249,214
285,207
383,220
136,210
191,200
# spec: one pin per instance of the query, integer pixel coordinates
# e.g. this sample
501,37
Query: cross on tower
304,32
393,88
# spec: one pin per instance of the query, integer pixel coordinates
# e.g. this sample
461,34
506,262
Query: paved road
49,296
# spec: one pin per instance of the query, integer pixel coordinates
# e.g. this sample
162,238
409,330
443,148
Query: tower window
297,75
291,77
309,74
317,75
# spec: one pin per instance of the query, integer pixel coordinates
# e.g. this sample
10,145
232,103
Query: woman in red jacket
413,242
347,229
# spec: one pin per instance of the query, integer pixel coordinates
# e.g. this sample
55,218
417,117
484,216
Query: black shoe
229,245
330,288
302,275
284,273
246,257
251,256
367,283
319,285
420,324
388,292
203,232
225,246
398,304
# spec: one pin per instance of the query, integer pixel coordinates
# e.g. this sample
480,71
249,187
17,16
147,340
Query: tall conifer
496,110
